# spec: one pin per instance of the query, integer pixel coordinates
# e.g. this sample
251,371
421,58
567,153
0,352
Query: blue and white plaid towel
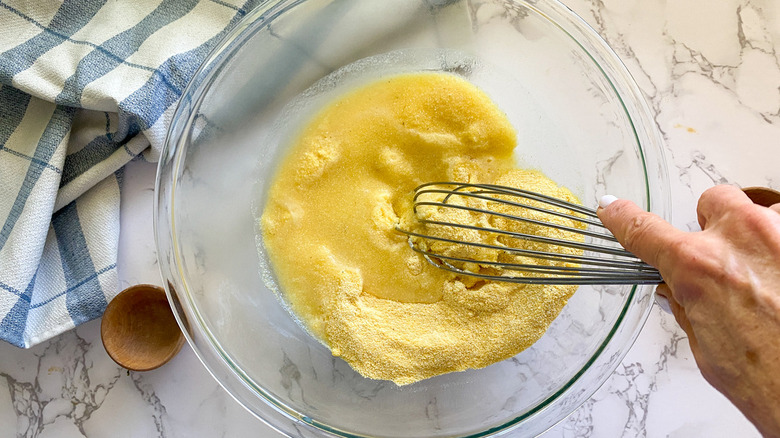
85,87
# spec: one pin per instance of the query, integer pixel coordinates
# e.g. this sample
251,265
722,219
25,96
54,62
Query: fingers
718,199
644,234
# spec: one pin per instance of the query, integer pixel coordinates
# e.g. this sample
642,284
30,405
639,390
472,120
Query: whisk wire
555,257
522,235
600,259
482,195
559,280
558,202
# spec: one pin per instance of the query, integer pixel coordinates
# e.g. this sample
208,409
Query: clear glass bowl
580,119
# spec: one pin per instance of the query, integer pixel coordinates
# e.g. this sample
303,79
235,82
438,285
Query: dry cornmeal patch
329,229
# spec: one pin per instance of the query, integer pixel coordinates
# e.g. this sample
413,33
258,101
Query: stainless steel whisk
601,260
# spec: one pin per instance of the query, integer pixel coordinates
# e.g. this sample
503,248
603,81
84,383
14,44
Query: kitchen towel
85,87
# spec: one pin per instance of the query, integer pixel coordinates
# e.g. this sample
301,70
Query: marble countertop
711,73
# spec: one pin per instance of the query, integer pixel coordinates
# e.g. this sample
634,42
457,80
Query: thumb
644,234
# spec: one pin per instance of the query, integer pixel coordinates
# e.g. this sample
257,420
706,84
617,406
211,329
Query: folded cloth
85,87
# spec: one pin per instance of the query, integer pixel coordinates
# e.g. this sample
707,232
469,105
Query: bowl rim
604,58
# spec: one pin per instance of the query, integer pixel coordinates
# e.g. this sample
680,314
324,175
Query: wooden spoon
139,330
762,195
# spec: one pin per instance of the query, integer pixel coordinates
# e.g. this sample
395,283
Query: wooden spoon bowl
762,195
139,330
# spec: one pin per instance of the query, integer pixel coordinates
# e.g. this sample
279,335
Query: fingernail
606,200
663,303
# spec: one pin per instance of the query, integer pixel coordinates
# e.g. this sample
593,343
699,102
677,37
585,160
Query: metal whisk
567,245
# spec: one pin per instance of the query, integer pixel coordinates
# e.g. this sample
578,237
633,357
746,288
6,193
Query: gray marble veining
711,74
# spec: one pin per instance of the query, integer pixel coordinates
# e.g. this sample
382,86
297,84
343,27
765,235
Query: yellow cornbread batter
351,278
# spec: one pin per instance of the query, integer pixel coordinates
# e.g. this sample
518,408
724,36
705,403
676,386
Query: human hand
723,287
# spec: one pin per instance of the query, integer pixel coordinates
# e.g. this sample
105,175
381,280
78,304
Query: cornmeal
351,278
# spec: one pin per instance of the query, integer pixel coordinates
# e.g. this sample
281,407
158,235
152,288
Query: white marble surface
711,73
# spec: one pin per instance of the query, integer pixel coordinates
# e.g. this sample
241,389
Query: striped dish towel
85,87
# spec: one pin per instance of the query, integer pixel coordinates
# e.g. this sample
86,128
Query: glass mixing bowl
580,119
